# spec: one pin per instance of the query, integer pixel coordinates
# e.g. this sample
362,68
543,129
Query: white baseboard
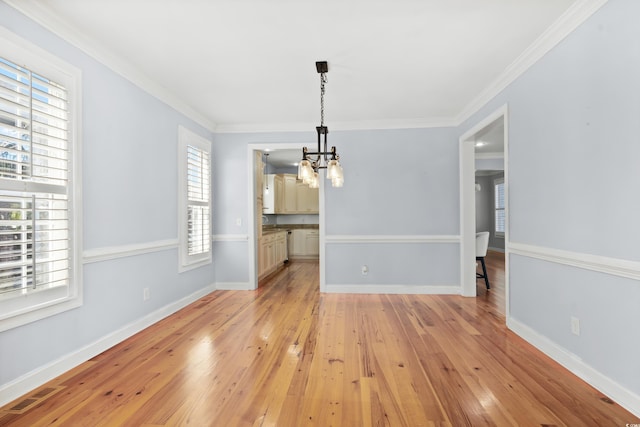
496,249
43,374
619,394
394,289
234,286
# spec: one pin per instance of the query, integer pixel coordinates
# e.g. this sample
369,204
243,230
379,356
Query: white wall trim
619,394
123,251
350,125
230,237
43,374
394,289
577,13
233,286
339,239
601,264
46,17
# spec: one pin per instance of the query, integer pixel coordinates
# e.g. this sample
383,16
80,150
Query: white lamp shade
305,172
337,181
333,169
314,182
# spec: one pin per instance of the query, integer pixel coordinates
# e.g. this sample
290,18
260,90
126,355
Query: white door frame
468,203
252,226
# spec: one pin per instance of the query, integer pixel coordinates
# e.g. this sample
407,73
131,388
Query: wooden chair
482,243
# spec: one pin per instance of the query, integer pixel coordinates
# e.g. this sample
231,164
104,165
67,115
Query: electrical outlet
365,270
575,325
146,294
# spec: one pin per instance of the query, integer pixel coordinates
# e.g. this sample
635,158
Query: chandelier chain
323,80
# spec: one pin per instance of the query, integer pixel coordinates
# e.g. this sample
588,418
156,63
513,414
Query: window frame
497,182
187,262
37,305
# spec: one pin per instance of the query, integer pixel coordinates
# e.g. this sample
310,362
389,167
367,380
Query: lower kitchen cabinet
272,252
306,243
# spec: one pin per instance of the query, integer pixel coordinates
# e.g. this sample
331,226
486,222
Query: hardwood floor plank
285,355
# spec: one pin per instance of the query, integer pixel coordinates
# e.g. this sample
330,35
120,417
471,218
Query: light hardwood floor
285,355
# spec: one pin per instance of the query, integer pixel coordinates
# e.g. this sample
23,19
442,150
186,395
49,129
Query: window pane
500,220
499,195
34,226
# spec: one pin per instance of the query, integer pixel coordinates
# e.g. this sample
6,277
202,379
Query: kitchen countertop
272,228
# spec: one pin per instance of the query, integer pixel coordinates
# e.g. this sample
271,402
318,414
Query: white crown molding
578,13
340,239
42,374
394,289
622,396
601,264
569,21
122,251
335,126
47,18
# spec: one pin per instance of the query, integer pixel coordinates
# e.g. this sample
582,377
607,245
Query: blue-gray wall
573,180
129,194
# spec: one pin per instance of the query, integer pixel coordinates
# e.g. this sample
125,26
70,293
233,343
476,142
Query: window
39,274
194,200
498,187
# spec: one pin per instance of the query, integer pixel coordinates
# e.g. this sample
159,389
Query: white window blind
34,164
194,200
198,194
499,207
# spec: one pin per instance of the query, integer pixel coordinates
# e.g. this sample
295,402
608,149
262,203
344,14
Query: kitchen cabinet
312,243
307,201
278,186
289,204
272,252
305,244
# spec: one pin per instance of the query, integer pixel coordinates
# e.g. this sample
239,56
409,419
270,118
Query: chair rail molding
356,238
602,264
122,251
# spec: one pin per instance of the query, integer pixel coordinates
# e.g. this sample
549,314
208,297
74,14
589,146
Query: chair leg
484,273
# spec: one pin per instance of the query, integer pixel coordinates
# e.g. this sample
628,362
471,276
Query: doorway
492,128
281,161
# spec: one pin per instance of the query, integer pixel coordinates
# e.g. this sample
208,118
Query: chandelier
313,161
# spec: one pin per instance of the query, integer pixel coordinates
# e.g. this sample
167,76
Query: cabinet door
312,243
278,185
290,194
299,241
281,248
307,199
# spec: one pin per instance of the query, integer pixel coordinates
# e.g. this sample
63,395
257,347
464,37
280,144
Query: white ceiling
250,65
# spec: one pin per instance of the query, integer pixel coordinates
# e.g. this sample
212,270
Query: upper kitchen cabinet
307,201
284,194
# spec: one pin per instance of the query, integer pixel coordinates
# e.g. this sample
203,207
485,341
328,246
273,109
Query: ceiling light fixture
308,167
